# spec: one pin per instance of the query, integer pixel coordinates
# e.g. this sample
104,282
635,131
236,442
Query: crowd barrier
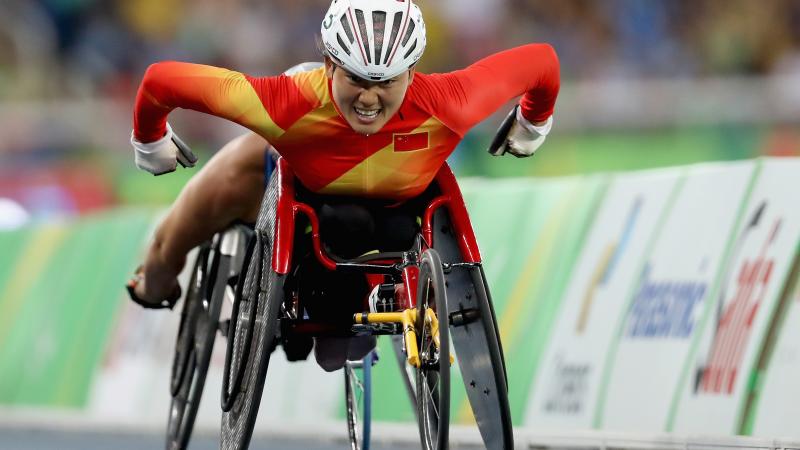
659,302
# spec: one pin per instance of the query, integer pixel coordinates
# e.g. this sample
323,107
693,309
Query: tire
250,344
433,375
358,401
196,335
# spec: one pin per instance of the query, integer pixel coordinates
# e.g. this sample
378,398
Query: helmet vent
409,31
413,46
342,44
396,22
362,27
347,30
378,29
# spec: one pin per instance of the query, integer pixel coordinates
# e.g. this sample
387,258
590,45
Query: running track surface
37,439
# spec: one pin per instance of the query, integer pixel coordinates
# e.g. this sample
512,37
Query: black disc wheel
252,336
433,375
475,338
196,335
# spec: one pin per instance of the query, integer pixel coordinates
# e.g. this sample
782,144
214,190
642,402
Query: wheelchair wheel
196,335
433,375
252,336
476,340
189,313
358,400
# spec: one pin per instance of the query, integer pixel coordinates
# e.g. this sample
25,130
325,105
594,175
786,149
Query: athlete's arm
213,90
465,97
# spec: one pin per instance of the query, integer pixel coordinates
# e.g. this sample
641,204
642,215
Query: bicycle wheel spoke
431,397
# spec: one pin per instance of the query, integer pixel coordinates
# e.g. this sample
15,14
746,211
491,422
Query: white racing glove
524,137
162,156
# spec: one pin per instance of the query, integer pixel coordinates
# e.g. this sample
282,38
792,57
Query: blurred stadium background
645,84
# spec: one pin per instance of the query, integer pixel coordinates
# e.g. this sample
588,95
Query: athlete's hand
162,156
525,137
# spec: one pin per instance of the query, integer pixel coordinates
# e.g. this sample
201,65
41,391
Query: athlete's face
367,105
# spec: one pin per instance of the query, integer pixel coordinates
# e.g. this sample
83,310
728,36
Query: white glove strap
156,157
525,138
151,147
541,130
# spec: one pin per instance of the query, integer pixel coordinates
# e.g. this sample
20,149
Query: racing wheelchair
433,293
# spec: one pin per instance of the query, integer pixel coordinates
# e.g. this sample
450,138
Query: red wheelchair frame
487,391
288,208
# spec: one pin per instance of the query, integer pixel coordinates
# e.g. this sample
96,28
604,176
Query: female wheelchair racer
362,127
423,299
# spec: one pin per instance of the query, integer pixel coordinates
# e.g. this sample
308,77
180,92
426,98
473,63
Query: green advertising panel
531,233
57,300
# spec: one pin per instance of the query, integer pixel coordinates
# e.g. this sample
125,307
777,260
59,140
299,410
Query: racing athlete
366,127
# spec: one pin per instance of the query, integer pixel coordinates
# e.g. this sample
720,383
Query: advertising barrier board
565,392
672,289
720,372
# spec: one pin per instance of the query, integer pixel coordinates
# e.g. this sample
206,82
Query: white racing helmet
374,39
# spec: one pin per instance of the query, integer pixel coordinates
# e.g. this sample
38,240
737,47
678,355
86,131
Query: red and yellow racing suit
297,115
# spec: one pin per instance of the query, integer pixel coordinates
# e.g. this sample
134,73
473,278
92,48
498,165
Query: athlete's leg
349,230
228,188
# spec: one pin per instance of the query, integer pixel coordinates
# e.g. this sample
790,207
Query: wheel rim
433,375
242,342
195,345
358,399
241,333
238,421
267,295
428,387
188,323
354,391
179,405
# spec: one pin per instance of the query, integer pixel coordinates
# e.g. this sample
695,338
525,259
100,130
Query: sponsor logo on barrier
664,308
569,388
605,267
736,312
